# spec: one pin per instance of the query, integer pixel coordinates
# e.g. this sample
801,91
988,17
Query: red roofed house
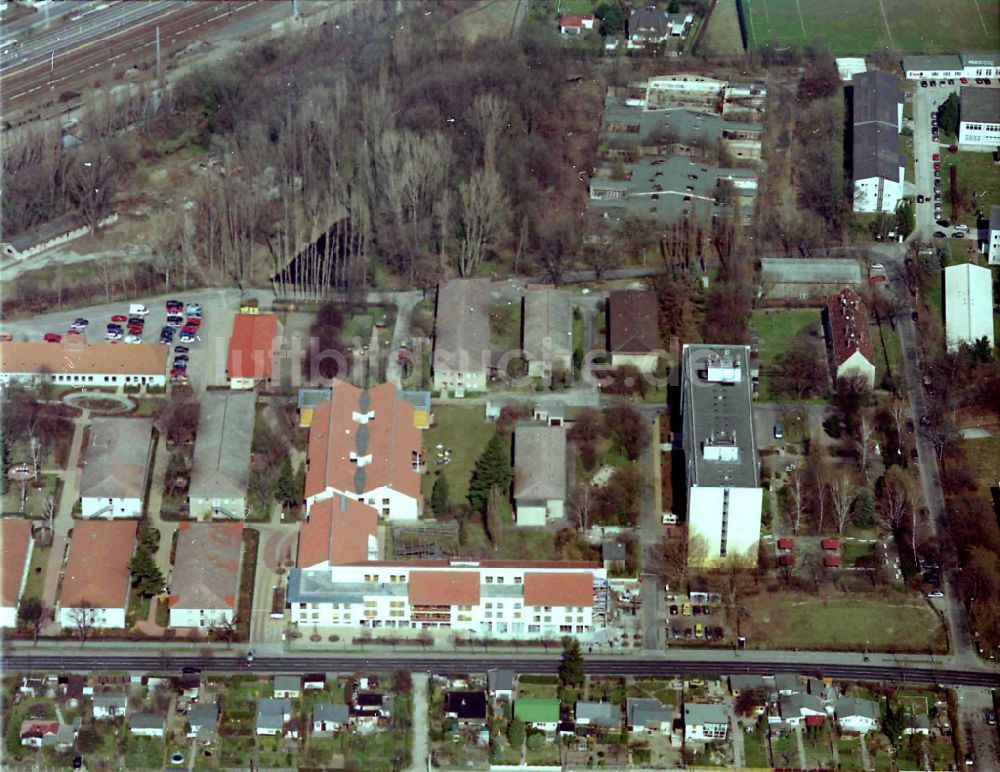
33,732
205,582
495,598
17,546
786,544
832,561
830,544
634,329
575,23
363,444
251,350
339,531
847,327
96,580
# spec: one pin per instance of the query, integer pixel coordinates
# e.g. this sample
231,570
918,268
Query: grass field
978,173
883,624
984,457
864,26
465,431
722,37
775,329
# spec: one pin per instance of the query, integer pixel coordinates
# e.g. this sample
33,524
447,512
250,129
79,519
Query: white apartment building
499,599
979,117
993,237
724,496
968,305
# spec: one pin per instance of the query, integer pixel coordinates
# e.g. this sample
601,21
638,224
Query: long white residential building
724,495
968,305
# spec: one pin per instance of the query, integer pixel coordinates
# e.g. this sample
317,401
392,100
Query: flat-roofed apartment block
76,363
993,237
547,334
462,354
16,557
689,89
221,468
968,305
364,444
205,582
116,462
96,581
850,341
503,599
979,117
720,454
966,64
877,165
540,473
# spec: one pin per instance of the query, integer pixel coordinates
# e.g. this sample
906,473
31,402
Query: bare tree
490,118
895,498
842,496
796,484
92,182
866,431
83,619
583,503
49,514
482,206
226,630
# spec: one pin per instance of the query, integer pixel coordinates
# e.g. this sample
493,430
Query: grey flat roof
539,463
705,713
306,586
548,323
995,218
147,720
980,104
462,327
47,231
206,571
631,125
330,711
222,449
656,188
933,62
718,415
117,456
980,58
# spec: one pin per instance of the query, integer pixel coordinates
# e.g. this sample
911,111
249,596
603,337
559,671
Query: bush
536,741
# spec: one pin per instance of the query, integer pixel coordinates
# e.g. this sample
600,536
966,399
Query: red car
193,321
119,318
964,80
51,337
189,329
176,371
71,331
937,164
936,157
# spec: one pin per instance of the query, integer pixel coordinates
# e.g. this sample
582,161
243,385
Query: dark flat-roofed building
877,166
634,329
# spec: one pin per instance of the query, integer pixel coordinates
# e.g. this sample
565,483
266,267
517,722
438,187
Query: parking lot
207,363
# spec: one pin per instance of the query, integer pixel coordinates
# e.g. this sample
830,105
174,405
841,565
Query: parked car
181,350
175,320
688,632
923,84
991,718
935,594
193,308
119,318
188,337
913,454
937,174
52,337
181,357
112,335
673,610
72,331
193,321
81,324
177,371
963,80
936,157
987,81
778,433
933,82
137,309
699,630
133,339
944,223
940,234
962,227
958,235
179,365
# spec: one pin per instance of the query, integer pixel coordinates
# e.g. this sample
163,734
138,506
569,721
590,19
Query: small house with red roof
850,342
575,23
250,358
17,548
204,584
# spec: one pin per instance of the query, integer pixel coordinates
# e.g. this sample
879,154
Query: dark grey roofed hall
539,463
935,62
995,218
643,21
222,449
877,97
627,125
876,152
980,104
716,384
334,713
116,458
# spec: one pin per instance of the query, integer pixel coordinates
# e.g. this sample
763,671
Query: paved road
712,662
421,752
980,737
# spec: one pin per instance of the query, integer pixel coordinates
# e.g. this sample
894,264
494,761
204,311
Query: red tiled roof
337,532
849,326
786,544
390,438
16,535
85,359
815,720
830,544
832,561
558,589
574,19
97,571
444,588
633,322
251,346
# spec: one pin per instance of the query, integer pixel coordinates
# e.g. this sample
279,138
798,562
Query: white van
137,309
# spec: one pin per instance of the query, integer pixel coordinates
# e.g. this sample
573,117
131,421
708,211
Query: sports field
865,26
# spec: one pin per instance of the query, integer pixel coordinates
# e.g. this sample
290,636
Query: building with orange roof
77,363
205,582
338,531
96,582
488,598
17,547
847,326
251,350
364,444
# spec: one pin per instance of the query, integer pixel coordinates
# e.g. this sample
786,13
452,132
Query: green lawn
654,687
275,752
861,26
143,753
888,351
465,431
886,623
852,550
545,691
978,173
817,745
775,329
906,148
36,572
755,750
983,456
849,750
